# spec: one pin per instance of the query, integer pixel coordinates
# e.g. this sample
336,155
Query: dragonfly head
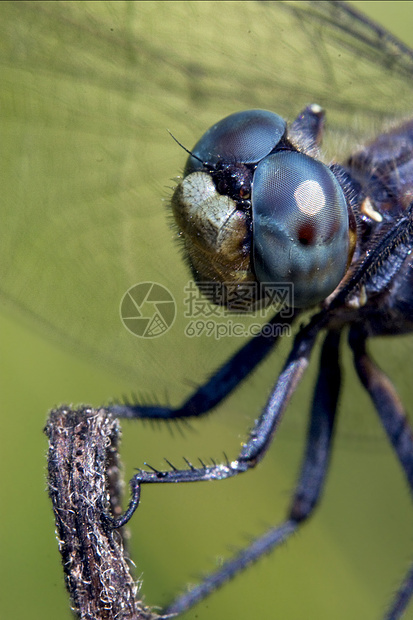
255,212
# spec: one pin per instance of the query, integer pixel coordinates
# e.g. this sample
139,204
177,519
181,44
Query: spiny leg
394,420
251,452
221,384
401,598
309,487
313,469
260,436
387,403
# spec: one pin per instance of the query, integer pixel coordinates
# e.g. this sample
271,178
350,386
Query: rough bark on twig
84,483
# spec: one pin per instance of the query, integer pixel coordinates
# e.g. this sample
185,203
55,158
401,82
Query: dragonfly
115,209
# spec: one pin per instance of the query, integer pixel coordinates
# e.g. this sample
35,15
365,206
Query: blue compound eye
300,226
244,137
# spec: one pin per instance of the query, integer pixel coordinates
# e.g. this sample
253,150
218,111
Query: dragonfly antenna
185,149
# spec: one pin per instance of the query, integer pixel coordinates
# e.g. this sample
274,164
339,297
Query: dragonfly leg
260,436
387,403
308,490
402,597
259,439
313,471
394,420
221,384
252,451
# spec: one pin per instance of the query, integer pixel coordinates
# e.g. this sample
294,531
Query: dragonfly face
94,183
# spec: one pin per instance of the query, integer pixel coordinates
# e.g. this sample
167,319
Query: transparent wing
89,92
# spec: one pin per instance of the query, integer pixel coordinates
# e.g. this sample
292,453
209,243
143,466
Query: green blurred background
345,563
